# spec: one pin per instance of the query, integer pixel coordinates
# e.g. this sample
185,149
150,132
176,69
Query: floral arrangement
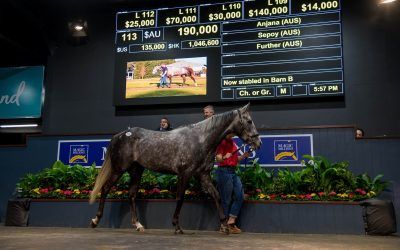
318,180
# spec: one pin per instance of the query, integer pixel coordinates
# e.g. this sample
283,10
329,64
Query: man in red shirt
228,182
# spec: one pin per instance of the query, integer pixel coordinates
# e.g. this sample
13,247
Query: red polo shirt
228,146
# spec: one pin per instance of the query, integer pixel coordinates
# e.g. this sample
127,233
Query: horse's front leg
170,80
184,80
135,174
180,195
208,186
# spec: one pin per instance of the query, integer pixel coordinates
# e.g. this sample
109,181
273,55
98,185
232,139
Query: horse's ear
246,107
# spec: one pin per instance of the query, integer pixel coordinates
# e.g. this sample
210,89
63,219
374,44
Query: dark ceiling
30,30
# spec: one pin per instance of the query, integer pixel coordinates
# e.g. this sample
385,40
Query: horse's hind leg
208,186
194,80
180,195
136,174
104,191
184,80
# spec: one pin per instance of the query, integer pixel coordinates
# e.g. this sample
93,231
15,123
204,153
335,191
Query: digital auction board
239,50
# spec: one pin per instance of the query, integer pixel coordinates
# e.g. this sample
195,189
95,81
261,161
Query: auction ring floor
107,238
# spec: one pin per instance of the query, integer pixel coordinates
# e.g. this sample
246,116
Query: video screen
229,52
166,78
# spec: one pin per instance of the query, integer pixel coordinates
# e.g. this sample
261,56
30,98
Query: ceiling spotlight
386,1
78,32
78,27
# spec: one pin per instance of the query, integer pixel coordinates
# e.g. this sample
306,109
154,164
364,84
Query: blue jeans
163,81
229,183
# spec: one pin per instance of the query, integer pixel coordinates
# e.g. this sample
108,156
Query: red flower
153,191
321,193
333,193
67,192
361,191
258,190
302,196
44,190
308,196
272,196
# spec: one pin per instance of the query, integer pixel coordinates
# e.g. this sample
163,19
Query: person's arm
245,155
220,157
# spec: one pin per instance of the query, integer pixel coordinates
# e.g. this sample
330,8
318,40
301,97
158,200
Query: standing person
165,125
164,74
208,111
228,182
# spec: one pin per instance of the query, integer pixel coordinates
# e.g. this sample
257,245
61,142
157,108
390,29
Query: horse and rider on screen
168,71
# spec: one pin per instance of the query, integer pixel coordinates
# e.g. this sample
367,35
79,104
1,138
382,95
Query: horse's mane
211,122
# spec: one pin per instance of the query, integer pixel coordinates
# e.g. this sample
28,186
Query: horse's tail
104,175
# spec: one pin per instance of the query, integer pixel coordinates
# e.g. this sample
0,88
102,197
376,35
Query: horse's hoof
93,224
179,231
224,230
140,229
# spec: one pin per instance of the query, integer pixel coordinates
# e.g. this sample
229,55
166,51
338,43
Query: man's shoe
233,229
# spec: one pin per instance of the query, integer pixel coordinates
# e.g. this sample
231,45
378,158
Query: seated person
165,125
359,133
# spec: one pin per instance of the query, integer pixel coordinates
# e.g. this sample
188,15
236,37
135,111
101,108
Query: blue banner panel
21,92
82,152
275,151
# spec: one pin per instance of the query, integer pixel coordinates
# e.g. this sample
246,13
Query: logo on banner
285,150
78,153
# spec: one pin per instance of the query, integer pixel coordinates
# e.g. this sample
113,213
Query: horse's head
155,70
245,128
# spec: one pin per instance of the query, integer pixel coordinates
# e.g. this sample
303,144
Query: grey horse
186,151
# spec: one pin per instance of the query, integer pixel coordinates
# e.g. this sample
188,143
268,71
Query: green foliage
255,177
318,180
322,175
61,176
376,185
287,182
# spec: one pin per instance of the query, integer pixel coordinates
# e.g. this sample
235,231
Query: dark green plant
319,177
149,180
322,175
365,182
287,182
167,181
124,182
27,183
256,177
